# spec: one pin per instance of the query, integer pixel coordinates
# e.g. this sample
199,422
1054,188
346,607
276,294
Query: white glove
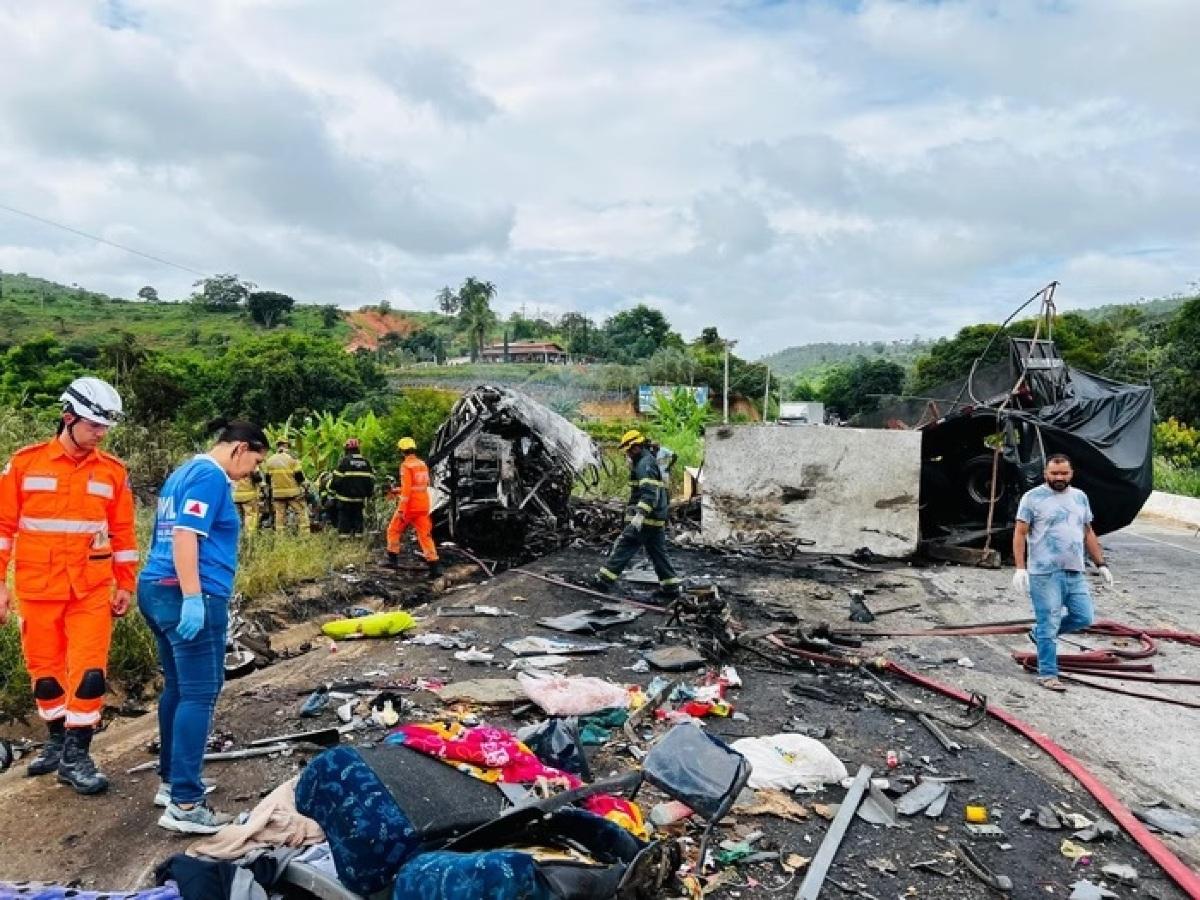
1021,581
1106,574
638,520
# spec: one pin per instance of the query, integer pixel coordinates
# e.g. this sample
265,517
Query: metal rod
810,888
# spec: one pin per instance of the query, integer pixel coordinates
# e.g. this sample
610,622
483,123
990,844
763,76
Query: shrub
1177,443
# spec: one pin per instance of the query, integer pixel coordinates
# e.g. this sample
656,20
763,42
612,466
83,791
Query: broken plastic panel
697,769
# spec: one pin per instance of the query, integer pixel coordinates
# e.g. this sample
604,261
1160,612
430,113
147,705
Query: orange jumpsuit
413,509
69,527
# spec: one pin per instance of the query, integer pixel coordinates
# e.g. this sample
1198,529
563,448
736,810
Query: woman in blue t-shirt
183,593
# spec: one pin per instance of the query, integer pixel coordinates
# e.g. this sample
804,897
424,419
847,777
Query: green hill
33,307
813,360
1153,310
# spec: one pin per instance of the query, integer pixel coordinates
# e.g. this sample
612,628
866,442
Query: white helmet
94,400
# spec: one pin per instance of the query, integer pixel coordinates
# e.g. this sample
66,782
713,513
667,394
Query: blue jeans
193,673
1052,595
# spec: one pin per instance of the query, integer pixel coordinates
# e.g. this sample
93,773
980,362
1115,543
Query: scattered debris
772,803
1098,831
976,867
1080,856
1085,890
1173,821
383,624
1123,873
878,809
482,690
814,879
561,695
922,797
536,646
675,659
590,621
788,761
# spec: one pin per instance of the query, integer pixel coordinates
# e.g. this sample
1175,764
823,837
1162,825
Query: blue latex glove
191,616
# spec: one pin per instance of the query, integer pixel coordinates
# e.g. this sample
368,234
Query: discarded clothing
27,890
200,879
561,695
789,761
502,875
273,823
384,624
369,835
495,755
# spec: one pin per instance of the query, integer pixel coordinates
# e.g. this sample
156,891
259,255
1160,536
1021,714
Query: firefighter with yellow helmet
645,519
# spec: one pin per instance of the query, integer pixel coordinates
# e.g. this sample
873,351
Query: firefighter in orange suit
66,520
413,508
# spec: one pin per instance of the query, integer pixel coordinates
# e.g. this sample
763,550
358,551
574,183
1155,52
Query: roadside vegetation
235,350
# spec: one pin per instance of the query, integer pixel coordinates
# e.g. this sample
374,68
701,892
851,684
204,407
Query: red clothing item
493,754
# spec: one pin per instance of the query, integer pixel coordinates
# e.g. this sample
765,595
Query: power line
100,240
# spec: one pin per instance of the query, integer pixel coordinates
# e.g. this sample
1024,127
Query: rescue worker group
67,525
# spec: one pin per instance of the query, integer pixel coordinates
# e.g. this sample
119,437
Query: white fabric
560,695
788,761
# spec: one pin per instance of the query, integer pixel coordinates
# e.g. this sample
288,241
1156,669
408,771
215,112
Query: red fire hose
1183,876
1187,880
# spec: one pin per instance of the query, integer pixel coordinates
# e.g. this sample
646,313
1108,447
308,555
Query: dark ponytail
238,431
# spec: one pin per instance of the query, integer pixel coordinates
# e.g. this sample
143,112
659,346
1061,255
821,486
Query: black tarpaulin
1106,428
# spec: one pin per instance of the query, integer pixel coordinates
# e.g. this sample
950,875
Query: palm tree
475,312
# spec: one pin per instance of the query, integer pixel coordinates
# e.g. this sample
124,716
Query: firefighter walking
67,522
247,498
645,520
413,508
353,482
285,478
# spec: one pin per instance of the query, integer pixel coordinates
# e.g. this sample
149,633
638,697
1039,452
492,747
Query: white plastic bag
788,761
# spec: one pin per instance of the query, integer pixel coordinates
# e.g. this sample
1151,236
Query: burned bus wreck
504,465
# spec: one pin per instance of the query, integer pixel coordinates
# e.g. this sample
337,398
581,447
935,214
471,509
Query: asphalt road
1141,749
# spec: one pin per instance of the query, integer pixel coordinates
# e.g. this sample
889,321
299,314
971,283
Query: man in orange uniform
66,518
413,508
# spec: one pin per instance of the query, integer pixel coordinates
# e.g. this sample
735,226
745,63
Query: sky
789,172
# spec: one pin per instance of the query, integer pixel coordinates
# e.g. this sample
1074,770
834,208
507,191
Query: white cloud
787,172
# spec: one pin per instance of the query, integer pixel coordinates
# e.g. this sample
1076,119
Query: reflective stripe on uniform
645,507
354,474
82,720
126,556
5,543
62,526
54,712
349,499
100,489
657,523
604,573
39,483
653,481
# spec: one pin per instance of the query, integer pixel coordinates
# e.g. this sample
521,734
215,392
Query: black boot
47,761
435,568
77,768
393,560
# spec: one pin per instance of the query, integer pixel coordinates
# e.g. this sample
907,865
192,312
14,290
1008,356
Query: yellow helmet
406,443
630,438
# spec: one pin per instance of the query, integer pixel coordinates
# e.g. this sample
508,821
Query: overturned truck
986,439
945,471
503,465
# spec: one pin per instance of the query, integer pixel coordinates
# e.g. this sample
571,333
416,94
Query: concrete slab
1177,508
841,488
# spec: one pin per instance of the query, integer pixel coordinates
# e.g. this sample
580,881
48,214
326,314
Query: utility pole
766,394
725,393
